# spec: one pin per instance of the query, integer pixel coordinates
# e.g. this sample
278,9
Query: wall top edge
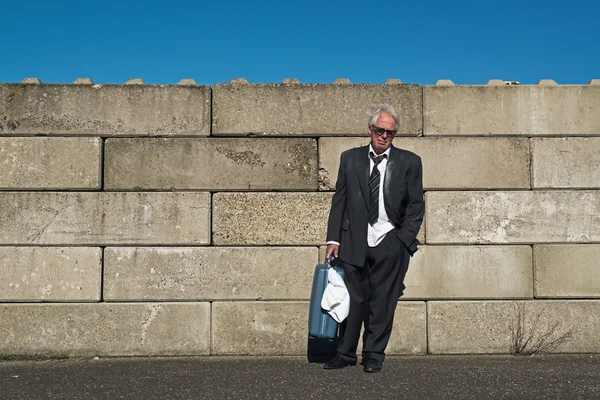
186,83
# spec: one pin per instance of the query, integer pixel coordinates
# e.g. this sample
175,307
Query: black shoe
337,363
372,365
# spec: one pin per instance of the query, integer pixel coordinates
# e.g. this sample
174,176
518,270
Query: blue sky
416,41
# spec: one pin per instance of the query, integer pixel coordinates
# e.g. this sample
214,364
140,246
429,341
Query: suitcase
320,324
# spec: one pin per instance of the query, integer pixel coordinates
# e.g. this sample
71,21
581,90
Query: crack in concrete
148,321
50,222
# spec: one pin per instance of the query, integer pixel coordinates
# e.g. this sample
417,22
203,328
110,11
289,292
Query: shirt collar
387,152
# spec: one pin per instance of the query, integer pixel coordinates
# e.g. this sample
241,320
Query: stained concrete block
191,273
222,164
259,328
462,272
480,327
281,328
105,110
567,270
513,217
50,163
104,218
448,163
50,273
566,162
270,218
104,329
280,109
511,110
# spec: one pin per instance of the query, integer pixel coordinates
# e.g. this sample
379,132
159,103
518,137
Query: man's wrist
333,242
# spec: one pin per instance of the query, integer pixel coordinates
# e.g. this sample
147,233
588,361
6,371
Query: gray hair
387,109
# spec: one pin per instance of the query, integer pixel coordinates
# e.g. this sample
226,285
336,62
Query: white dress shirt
377,232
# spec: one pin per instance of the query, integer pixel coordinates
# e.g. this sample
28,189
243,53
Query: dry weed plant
536,338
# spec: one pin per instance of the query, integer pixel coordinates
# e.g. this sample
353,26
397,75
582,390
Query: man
375,216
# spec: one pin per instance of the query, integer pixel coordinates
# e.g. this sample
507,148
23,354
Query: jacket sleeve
415,208
338,204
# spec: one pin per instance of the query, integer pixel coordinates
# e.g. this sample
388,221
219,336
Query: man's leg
356,280
387,266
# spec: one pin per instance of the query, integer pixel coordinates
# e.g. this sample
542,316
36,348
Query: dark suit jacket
402,196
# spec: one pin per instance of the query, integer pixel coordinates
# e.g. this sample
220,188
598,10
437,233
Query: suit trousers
374,290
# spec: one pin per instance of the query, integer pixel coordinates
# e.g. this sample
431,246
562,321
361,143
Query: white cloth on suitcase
336,299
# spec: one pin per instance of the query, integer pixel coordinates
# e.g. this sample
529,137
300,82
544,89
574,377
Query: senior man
375,216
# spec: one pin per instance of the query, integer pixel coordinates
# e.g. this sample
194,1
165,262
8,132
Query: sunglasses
380,131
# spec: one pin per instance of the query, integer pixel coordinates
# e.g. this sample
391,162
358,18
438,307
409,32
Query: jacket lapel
362,169
393,168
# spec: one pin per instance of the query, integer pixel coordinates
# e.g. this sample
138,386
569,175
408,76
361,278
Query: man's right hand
332,249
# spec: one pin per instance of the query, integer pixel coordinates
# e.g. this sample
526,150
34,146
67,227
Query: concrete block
216,164
566,162
270,218
187,82
104,329
567,270
342,81
479,327
259,328
50,163
105,110
50,273
444,82
31,81
104,218
513,217
210,273
512,110
83,81
547,82
448,163
135,81
281,328
310,109
393,81
463,272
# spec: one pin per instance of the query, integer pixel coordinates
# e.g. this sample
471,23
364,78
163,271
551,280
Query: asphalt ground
419,377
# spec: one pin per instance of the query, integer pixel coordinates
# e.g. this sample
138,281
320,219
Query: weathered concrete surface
270,218
409,332
478,327
513,217
259,328
567,270
281,328
104,218
511,110
462,272
105,110
221,164
50,163
278,109
566,162
448,163
50,273
150,329
212,273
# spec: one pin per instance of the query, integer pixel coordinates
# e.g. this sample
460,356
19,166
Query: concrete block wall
187,220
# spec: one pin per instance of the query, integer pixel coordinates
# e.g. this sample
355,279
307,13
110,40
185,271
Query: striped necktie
374,188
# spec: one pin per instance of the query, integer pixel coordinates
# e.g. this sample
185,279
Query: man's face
381,143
